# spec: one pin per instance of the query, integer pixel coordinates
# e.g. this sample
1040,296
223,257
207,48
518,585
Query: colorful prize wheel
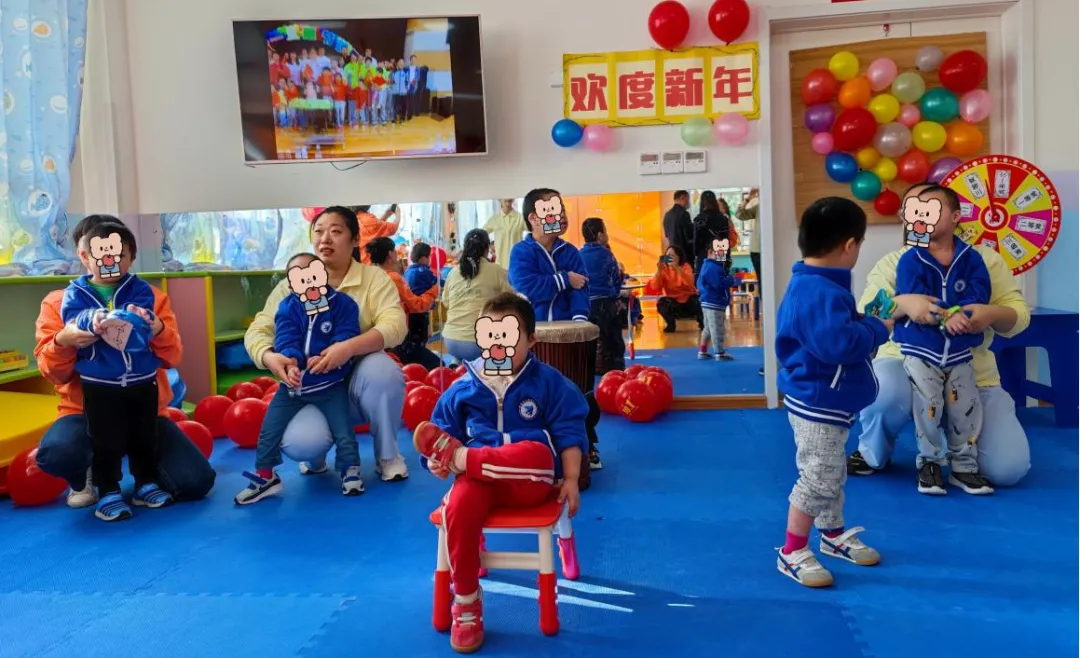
1008,204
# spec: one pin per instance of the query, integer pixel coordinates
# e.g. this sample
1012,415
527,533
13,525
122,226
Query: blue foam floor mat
675,538
693,376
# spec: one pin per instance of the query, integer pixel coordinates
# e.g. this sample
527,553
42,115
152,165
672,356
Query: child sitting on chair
308,321
511,440
714,284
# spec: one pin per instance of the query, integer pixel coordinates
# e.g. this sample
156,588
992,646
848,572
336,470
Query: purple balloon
819,118
942,168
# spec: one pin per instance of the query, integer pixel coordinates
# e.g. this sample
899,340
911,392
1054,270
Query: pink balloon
731,129
909,115
598,137
975,105
881,73
822,143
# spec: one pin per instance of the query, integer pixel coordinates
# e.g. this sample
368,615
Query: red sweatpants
513,475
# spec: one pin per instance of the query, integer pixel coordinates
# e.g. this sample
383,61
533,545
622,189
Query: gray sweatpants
819,456
951,392
714,328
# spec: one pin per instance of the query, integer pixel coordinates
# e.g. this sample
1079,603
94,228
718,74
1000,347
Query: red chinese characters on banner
732,85
684,88
589,93
637,90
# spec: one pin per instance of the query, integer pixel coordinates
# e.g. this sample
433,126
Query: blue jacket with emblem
541,277
824,346
605,279
420,278
101,363
965,281
298,335
714,285
539,405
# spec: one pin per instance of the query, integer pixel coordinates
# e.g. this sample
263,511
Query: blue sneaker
351,483
112,507
258,489
153,496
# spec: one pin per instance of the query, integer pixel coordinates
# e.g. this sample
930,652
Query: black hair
475,249
304,254
509,303
952,199
680,194
348,216
925,183
723,206
680,253
89,222
708,201
828,224
420,250
106,228
528,206
591,229
379,250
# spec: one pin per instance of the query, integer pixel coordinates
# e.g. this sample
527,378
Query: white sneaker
311,468
802,567
351,484
849,547
392,470
83,498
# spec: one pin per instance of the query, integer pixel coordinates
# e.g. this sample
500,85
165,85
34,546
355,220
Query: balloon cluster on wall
730,129
889,123
596,137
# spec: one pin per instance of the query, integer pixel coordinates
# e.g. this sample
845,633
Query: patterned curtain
42,49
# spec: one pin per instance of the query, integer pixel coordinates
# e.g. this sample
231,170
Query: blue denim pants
333,402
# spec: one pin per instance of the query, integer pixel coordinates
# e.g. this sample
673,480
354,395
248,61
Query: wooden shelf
228,336
18,375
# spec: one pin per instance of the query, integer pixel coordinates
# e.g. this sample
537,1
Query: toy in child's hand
881,306
309,284
124,331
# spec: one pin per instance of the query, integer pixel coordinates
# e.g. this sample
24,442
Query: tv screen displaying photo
360,89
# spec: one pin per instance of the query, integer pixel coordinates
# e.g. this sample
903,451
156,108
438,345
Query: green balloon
939,104
908,87
696,131
866,186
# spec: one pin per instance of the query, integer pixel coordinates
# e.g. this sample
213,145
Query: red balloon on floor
198,435
636,401
460,370
28,485
414,372
264,382
243,421
660,386
655,370
633,371
210,411
394,358
606,392
440,378
244,390
418,406
175,415
411,386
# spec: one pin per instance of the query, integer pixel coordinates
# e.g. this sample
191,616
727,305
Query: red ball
633,371
411,386
414,372
819,86
265,383
394,358
854,129
210,411
606,393
28,485
728,19
269,397
362,429
243,421
440,378
660,386
244,390
656,370
636,401
887,203
669,23
418,406
198,435
962,71
175,415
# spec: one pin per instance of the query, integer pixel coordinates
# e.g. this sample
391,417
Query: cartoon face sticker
549,212
720,249
497,340
309,284
920,219
105,254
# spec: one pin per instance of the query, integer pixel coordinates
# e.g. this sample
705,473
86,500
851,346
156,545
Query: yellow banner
660,87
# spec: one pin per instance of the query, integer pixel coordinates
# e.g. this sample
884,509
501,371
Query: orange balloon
963,139
854,93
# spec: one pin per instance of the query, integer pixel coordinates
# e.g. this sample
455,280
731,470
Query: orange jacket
57,364
372,227
410,302
675,283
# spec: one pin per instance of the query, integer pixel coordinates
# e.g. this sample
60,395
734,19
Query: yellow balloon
884,107
867,157
885,169
928,136
844,65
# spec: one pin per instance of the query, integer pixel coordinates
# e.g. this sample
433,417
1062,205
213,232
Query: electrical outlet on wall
672,162
649,164
694,162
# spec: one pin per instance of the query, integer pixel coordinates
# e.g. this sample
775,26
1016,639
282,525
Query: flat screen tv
364,89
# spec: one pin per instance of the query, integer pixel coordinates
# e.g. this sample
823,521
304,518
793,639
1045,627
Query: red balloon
633,371
728,19
660,387
669,23
606,393
394,358
819,86
440,378
614,374
913,166
198,435
411,386
635,401
269,397
264,382
461,370
854,129
28,485
962,71
887,203
414,372
175,415
362,429
418,406
243,421
210,411
657,370
244,390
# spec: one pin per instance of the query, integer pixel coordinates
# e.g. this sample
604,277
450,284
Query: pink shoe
571,570
467,629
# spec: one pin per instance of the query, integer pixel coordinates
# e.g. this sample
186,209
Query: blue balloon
841,167
566,133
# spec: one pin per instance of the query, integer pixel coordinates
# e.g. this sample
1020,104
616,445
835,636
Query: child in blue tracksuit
937,357
420,279
605,288
824,346
512,440
714,285
302,333
119,371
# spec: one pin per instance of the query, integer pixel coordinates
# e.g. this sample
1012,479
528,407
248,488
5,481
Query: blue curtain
42,49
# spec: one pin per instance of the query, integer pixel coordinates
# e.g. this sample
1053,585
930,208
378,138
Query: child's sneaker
930,480
392,470
351,484
723,356
803,567
849,547
856,465
594,460
259,488
152,496
112,507
436,445
312,468
703,355
467,625
972,483
84,497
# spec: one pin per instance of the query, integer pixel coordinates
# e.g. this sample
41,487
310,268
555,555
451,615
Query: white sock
458,461
466,600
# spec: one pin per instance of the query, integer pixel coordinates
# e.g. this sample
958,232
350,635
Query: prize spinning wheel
1007,204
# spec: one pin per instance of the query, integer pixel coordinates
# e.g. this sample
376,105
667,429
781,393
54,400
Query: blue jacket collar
838,275
555,245
475,366
959,249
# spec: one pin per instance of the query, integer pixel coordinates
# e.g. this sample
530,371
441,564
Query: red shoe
434,444
467,629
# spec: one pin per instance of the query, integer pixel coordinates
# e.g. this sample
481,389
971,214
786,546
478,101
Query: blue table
1057,333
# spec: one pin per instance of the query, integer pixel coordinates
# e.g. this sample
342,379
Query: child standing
714,284
605,284
824,345
421,280
119,371
341,94
310,319
937,358
521,457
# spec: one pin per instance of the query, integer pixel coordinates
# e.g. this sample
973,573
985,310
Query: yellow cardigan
370,287
1003,292
465,298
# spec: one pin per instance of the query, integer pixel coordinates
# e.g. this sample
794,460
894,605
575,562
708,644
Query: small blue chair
1056,332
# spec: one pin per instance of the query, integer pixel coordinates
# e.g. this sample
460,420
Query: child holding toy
511,440
604,290
118,371
308,321
414,348
823,346
714,284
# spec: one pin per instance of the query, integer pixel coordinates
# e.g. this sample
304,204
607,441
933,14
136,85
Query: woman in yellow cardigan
469,286
376,386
